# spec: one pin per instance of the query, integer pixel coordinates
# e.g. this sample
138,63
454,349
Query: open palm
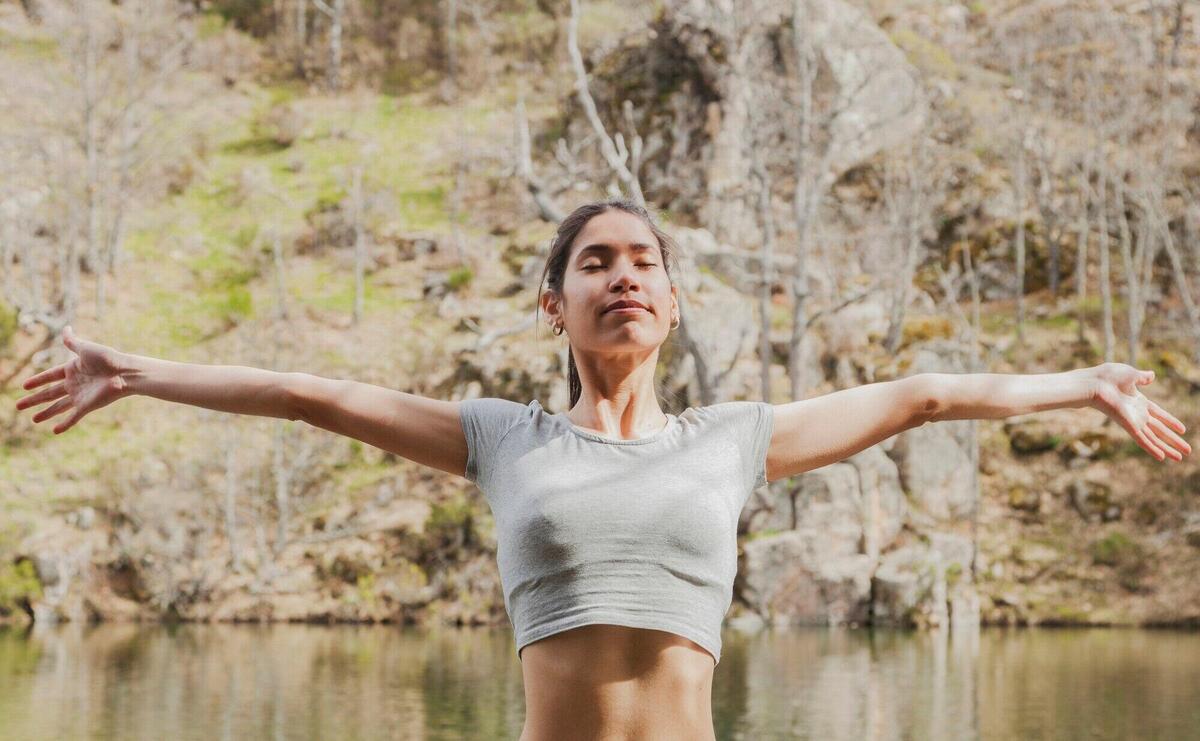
86,382
1155,429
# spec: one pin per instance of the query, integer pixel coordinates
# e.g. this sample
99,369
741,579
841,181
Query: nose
624,278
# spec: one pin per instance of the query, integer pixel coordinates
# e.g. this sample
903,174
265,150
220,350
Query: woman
616,522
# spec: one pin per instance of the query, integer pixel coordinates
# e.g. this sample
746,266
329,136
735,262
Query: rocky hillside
242,250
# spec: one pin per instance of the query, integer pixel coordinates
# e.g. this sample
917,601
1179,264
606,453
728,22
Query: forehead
619,229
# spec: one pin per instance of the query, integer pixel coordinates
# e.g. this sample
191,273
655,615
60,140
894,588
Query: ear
551,305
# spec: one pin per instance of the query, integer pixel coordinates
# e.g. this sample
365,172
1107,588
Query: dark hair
560,251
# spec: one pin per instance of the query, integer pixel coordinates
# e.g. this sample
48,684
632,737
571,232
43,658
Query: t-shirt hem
594,617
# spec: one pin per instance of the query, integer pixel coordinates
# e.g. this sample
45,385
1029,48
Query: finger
57,407
1145,377
1163,433
63,427
1167,417
57,373
43,396
1144,440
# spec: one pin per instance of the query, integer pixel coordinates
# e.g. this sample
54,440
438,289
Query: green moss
760,534
1113,549
450,515
1057,321
924,53
8,325
365,587
18,584
30,48
460,277
209,25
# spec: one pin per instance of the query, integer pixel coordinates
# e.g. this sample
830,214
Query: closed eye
601,267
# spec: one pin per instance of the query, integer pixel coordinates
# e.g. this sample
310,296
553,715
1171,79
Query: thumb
69,338
1146,377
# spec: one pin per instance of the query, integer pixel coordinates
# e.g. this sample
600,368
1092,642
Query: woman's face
614,257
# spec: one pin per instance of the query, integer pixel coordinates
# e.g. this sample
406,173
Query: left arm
825,429
815,432
1111,388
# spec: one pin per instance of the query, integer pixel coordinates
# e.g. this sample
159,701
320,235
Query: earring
675,323
558,330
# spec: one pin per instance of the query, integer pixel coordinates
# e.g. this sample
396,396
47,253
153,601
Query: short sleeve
485,422
750,424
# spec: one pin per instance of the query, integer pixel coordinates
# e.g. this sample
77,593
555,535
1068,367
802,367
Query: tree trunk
1181,280
1019,244
1082,230
360,247
335,45
281,311
301,39
764,296
282,485
1133,285
1105,270
231,491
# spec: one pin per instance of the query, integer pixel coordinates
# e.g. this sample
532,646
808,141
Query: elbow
294,397
927,401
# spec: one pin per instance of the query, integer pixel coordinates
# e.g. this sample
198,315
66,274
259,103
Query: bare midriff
614,683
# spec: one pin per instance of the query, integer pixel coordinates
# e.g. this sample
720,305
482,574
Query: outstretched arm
427,431
1112,388
98,375
815,432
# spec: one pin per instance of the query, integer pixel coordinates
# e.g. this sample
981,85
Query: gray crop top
592,529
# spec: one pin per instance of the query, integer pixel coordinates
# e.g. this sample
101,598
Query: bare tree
1105,260
767,218
231,496
524,166
360,242
623,162
336,15
908,205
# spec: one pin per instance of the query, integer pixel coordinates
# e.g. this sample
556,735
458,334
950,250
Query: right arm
427,431
423,430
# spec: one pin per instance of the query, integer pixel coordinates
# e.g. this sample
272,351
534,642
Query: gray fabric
592,529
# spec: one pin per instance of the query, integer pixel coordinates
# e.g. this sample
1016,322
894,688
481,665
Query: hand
1115,392
89,381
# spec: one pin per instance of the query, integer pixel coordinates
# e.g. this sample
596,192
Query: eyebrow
601,247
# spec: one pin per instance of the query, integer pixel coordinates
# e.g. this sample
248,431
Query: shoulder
728,411
496,413
494,405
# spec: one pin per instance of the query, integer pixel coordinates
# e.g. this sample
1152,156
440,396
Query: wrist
131,373
1089,382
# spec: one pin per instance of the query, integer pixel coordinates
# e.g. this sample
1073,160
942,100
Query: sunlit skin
607,681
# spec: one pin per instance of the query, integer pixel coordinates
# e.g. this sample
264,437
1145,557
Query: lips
625,304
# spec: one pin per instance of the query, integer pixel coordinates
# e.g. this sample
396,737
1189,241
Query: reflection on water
302,682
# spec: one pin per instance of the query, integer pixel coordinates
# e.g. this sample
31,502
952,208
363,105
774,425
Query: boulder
926,583
828,505
936,471
787,580
883,505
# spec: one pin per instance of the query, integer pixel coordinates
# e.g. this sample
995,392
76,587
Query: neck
618,397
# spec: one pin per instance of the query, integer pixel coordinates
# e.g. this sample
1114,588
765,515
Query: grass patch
28,47
18,585
256,145
925,54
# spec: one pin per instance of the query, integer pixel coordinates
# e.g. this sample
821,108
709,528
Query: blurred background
367,189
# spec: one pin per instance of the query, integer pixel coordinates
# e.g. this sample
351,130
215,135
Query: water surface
382,682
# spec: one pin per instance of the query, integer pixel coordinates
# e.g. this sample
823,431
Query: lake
123,681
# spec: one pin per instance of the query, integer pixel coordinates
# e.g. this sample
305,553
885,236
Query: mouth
626,306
